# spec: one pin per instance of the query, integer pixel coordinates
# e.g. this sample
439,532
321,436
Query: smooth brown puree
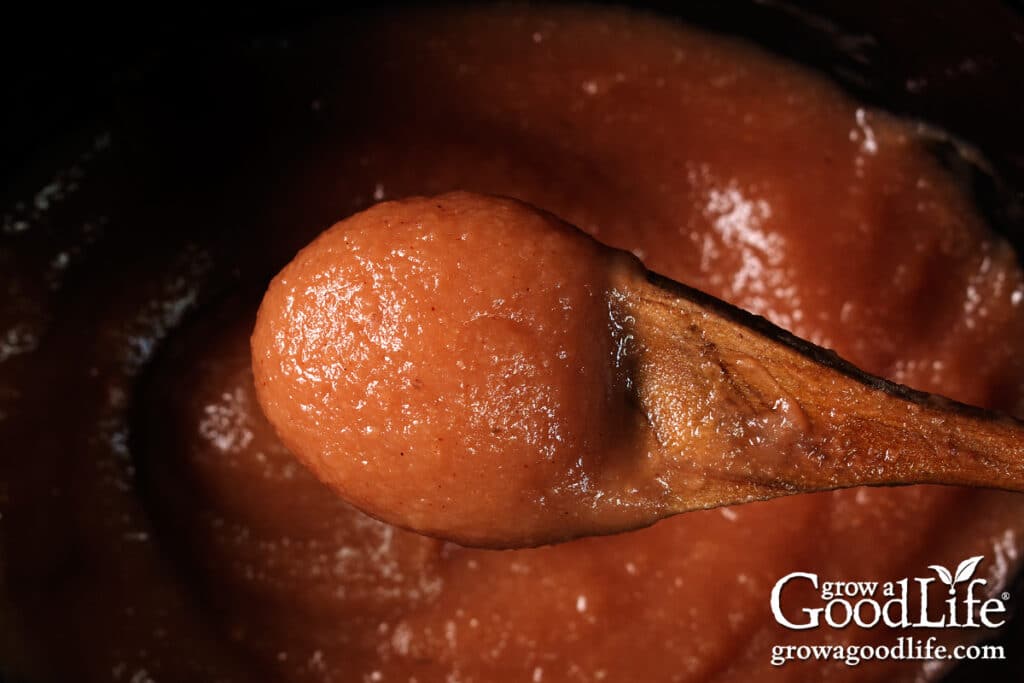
447,364
222,558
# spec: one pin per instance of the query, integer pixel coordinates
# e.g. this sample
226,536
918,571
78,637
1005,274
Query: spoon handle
761,412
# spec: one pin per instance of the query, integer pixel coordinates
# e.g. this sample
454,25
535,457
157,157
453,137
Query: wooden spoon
819,422
475,369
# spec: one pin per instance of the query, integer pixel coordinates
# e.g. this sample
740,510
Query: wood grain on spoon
475,369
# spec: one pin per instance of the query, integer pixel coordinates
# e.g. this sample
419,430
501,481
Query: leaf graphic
943,573
967,567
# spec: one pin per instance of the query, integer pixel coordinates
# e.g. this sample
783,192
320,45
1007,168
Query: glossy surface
448,364
163,532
